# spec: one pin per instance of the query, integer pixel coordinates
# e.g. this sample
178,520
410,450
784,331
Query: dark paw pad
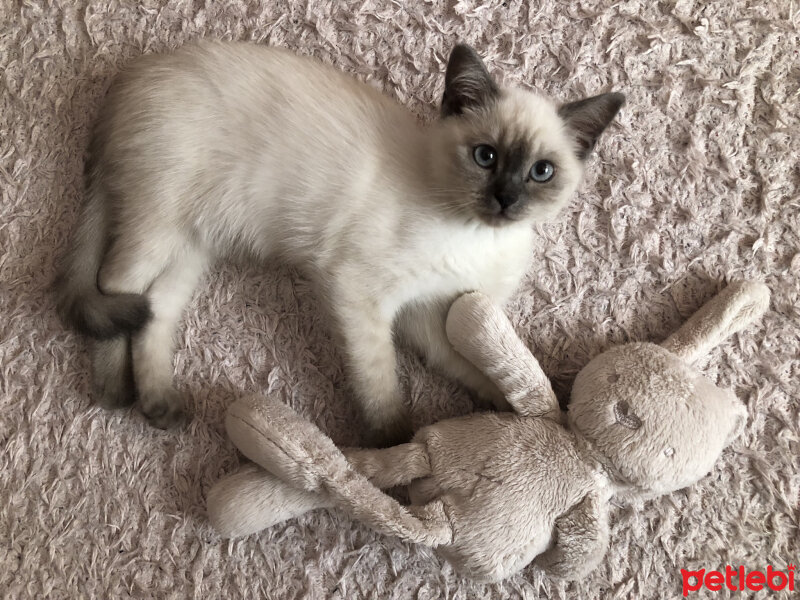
165,411
391,433
114,393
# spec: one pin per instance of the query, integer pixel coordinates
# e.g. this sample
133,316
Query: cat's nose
505,199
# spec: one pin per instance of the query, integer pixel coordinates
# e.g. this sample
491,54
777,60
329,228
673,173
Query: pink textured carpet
697,183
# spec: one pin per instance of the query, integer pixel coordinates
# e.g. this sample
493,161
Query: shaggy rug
696,184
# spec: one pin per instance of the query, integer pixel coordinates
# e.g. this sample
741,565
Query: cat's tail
81,304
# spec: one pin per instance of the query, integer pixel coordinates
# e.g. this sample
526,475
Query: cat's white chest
449,261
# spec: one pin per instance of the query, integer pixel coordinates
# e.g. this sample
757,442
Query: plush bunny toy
494,491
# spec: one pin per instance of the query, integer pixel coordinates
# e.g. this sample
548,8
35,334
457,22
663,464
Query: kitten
230,148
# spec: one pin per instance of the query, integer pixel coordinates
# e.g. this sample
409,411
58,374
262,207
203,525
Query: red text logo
738,579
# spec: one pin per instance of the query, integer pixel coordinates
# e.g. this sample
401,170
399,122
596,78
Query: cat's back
238,118
221,136
249,86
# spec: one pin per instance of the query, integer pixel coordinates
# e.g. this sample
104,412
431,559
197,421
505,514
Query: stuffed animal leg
254,499
305,470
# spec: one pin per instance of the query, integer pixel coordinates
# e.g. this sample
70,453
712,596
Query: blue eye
485,156
542,171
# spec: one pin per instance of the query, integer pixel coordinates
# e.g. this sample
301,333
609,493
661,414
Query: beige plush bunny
495,491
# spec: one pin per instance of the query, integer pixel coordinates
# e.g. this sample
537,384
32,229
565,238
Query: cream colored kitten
231,148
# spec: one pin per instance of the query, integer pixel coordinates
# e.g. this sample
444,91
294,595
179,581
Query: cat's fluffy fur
229,148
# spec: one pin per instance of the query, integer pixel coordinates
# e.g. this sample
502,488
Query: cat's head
511,154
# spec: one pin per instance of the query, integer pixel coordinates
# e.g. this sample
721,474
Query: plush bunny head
656,421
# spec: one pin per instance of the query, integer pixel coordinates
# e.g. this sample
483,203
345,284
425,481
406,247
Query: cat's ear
467,83
588,118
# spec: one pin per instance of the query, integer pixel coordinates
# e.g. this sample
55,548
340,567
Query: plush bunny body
487,490
510,478
494,491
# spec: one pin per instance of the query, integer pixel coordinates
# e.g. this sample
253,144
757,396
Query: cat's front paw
112,391
163,409
389,430
488,397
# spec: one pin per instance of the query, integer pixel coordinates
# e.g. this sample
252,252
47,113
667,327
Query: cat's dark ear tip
589,117
461,47
463,52
617,99
467,83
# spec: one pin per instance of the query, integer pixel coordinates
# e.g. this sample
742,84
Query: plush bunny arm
482,334
731,310
299,454
581,540
388,467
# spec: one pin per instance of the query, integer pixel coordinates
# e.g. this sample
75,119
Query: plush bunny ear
731,310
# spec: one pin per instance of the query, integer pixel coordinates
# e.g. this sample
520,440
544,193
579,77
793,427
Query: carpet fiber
695,185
